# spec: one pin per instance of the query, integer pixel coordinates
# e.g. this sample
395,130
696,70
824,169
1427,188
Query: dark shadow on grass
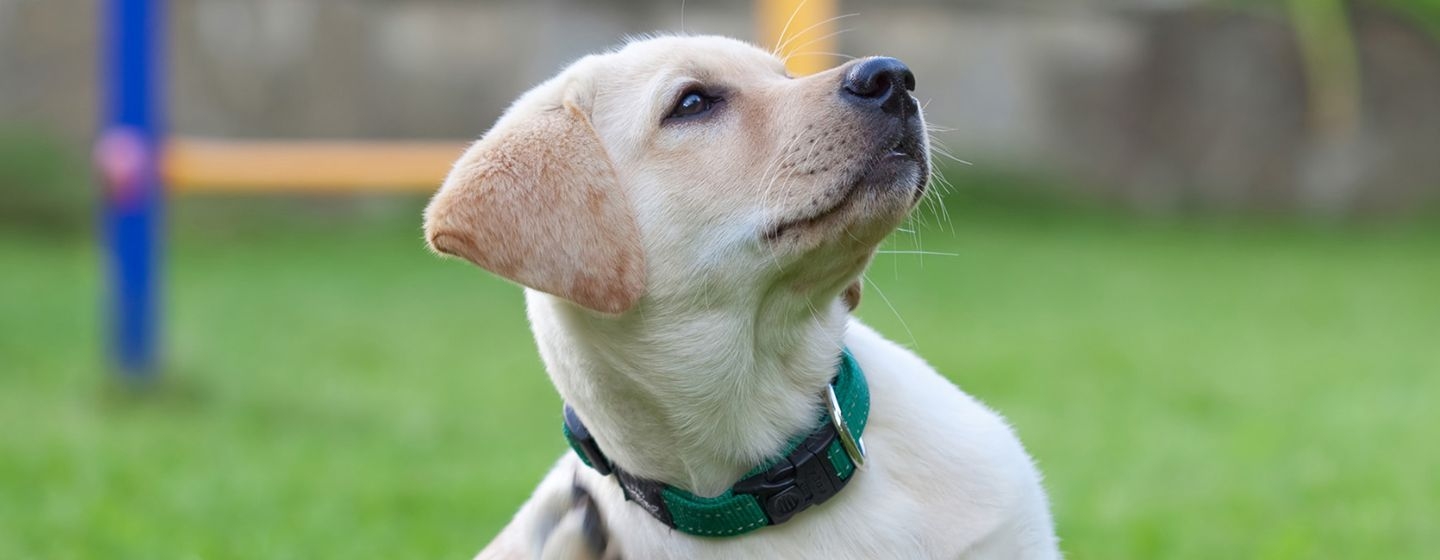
171,391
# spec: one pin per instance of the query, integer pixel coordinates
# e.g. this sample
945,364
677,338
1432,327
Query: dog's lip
897,149
908,145
804,221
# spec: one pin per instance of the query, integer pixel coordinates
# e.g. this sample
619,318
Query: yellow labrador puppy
691,223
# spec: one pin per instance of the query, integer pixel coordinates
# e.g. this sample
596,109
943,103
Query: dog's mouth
908,146
886,170
850,194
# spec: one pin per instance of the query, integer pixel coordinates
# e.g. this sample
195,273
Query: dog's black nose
881,81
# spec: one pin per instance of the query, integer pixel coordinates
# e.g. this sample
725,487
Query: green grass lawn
1190,391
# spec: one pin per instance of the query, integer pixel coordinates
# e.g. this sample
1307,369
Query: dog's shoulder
955,460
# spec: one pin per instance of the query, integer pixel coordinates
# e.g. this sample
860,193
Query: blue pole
127,155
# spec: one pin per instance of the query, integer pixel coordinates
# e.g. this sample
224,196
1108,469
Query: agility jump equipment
141,165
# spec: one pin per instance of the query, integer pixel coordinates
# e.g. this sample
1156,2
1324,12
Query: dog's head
689,168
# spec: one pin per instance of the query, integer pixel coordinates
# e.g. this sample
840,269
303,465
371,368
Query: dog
690,223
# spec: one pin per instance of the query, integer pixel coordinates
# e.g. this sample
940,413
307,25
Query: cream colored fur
685,291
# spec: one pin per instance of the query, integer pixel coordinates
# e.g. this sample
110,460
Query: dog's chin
891,189
871,203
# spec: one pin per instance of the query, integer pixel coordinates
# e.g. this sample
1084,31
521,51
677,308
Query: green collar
813,468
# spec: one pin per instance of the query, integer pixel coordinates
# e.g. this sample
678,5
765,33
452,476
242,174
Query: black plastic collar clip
802,479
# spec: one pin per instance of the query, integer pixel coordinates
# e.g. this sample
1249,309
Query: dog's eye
692,104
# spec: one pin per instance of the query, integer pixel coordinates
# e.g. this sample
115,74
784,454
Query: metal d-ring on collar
854,445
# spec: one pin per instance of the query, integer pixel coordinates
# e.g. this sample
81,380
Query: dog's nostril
875,78
869,86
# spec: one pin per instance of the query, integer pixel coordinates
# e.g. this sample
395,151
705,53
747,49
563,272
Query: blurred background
1192,253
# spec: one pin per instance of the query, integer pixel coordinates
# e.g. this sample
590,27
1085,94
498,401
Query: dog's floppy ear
537,201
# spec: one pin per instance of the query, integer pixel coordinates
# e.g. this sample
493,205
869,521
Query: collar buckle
802,479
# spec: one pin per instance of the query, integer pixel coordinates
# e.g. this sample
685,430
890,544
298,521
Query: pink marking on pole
123,158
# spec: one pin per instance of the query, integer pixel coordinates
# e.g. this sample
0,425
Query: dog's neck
693,399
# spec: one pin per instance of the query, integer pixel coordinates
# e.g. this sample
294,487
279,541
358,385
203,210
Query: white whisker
802,32
820,53
818,39
913,343
917,253
780,40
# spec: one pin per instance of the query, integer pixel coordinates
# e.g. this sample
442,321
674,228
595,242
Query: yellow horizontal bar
193,165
